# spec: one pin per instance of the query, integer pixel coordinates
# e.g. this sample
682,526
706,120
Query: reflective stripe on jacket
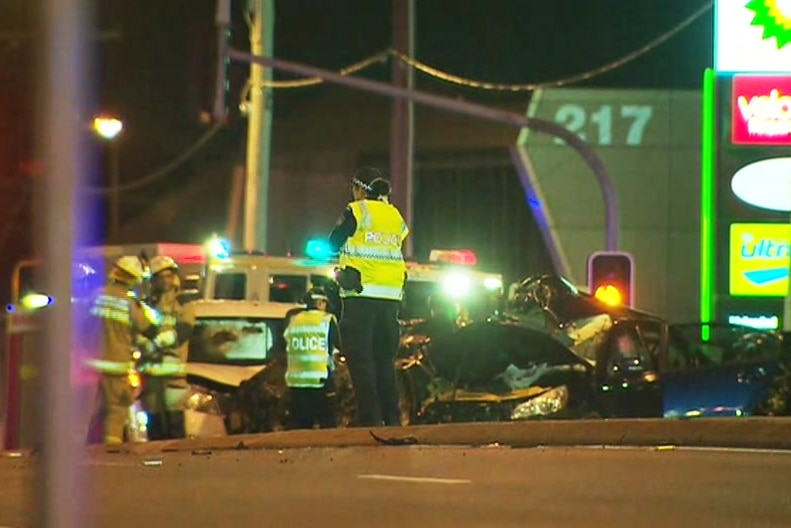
308,349
375,250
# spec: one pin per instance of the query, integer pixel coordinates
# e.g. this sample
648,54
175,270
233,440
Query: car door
629,382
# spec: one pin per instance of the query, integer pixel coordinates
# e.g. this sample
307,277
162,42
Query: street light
108,129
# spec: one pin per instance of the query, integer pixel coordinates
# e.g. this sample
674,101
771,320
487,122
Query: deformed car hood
483,350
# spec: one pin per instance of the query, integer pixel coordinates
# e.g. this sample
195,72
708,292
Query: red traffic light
611,277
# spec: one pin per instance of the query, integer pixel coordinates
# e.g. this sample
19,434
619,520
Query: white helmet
162,263
131,265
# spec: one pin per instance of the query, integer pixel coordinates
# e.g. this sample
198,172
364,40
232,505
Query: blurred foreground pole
62,97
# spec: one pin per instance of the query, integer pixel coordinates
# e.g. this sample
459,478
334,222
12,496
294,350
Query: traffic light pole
402,133
471,109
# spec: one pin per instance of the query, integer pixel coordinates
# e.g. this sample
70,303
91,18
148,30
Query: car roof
205,308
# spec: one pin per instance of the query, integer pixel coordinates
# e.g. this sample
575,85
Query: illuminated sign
752,36
765,184
760,322
761,110
760,255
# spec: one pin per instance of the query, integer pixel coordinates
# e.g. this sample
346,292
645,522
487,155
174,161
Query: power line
164,170
484,85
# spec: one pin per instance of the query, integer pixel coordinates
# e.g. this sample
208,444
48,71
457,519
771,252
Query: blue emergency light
218,247
319,249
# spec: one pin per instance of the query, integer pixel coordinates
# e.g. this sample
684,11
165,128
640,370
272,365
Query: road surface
402,486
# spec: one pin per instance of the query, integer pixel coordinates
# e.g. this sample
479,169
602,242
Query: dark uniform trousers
370,335
308,405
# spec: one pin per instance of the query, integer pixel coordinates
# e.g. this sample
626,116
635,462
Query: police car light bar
462,257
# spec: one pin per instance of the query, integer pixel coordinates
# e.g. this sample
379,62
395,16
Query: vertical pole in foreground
259,123
63,87
402,124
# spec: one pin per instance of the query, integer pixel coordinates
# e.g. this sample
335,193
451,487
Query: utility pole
402,131
259,128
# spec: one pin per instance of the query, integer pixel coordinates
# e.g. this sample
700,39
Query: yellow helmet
162,263
131,266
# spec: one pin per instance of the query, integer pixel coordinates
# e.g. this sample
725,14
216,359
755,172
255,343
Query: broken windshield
236,340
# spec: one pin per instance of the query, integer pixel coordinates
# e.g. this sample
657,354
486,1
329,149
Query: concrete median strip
760,433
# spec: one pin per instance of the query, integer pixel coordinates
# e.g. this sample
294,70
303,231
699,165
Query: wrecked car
557,353
236,370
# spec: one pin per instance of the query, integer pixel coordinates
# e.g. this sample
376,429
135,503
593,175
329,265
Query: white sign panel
752,36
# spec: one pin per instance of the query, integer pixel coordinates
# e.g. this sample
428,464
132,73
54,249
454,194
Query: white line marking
427,480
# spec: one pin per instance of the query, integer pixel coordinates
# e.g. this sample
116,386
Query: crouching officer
311,337
117,317
165,389
372,274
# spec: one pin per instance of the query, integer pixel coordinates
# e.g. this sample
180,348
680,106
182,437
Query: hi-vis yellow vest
375,250
308,349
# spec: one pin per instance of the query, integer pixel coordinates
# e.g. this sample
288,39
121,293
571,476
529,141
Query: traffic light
611,277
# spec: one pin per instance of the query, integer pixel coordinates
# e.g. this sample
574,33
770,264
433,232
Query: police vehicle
450,277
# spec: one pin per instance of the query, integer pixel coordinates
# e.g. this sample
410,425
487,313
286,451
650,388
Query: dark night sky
510,41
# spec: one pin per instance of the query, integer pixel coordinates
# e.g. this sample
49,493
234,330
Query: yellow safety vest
308,349
375,250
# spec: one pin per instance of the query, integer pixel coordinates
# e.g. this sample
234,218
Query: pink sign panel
761,110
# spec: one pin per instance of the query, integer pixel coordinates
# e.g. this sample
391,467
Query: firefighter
311,337
117,316
165,389
372,273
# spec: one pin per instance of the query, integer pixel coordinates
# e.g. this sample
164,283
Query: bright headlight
548,403
201,401
492,283
456,284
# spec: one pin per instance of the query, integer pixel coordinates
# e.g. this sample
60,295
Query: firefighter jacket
374,250
116,319
308,351
179,318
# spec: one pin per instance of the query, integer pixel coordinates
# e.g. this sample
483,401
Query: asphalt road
427,487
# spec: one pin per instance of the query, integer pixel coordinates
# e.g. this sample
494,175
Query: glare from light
35,301
107,127
218,247
318,249
609,294
492,283
456,284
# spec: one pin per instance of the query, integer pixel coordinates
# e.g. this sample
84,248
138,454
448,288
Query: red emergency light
191,259
461,257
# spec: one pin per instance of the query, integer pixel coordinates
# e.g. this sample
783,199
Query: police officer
369,237
165,389
117,316
311,337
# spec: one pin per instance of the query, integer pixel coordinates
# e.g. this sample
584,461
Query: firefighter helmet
162,263
132,266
